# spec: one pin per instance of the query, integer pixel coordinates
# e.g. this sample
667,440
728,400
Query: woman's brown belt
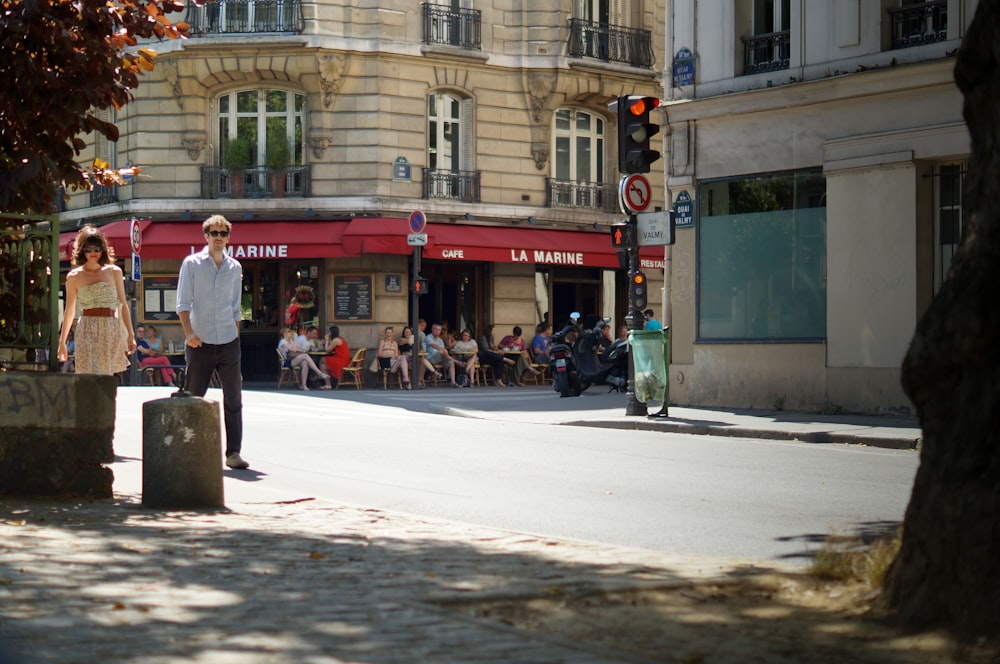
103,312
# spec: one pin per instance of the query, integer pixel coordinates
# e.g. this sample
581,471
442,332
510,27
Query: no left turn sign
635,193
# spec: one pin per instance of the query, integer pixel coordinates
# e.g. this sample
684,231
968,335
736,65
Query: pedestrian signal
420,285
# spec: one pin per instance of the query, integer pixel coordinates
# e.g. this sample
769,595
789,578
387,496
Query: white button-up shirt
212,296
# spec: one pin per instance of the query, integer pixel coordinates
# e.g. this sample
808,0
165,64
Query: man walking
208,303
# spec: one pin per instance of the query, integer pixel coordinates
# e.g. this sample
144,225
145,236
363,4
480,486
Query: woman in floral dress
103,341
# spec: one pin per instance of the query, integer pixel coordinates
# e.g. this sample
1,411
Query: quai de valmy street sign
654,228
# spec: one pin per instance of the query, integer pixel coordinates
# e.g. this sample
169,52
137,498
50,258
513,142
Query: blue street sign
683,210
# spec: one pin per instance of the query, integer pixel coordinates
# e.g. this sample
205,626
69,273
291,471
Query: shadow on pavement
306,582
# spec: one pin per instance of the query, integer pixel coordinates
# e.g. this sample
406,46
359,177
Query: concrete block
181,453
56,432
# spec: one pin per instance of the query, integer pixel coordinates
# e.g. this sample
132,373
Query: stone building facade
822,147
319,128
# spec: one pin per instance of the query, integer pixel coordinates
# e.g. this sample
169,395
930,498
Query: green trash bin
651,358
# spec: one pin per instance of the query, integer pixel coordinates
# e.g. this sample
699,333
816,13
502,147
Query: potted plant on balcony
236,156
277,160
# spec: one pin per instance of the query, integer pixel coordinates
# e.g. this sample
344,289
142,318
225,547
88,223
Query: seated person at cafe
437,354
390,359
296,356
490,356
540,343
150,352
465,352
338,355
308,339
514,347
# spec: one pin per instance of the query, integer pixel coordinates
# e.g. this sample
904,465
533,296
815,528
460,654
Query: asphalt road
675,493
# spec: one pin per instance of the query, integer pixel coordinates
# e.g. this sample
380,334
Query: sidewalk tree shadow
308,581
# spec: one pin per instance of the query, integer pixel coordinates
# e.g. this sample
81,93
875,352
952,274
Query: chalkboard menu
353,297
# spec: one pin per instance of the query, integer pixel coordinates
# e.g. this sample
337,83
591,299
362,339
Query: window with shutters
104,150
450,171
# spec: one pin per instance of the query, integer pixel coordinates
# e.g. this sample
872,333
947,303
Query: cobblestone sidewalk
302,581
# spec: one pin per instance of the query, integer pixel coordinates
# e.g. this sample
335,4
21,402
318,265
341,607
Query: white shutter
468,137
102,146
621,13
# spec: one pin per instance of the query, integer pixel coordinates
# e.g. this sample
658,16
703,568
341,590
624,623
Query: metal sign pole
635,321
415,316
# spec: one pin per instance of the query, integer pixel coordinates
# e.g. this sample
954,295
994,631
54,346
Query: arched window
449,172
261,128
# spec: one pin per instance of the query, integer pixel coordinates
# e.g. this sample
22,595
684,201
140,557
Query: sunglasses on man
218,233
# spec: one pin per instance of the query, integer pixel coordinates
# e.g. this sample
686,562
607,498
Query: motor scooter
600,361
562,359
574,361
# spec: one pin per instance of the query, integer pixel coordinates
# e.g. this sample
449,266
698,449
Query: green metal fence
29,292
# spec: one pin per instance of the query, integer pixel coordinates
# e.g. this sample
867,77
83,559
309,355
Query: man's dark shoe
237,462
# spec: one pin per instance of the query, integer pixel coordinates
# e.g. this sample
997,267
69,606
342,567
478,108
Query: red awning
251,240
492,244
312,239
119,234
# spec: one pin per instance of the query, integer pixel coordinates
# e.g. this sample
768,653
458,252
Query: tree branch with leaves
63,61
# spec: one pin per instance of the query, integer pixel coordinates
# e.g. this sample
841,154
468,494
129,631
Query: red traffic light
641,105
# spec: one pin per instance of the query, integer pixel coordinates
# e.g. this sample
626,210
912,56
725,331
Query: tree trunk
947,573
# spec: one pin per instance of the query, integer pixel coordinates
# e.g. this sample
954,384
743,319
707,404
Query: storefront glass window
762,258
302,288
260,306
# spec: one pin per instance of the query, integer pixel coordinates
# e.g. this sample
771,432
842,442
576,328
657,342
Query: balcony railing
919,24
589,195
101,195
293,182
245,16
767,52
460,185
454,27
610,43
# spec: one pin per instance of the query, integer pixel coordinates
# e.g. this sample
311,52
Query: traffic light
420,285
634,132
637,290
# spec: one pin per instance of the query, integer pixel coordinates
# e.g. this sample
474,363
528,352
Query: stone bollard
181,453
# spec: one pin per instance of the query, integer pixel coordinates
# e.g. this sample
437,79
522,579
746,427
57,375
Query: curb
643,424
886,442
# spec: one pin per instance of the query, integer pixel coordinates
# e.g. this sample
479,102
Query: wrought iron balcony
460,185
256,182
246,16
610,43
589,195
101,195
919,24
454,27
767,52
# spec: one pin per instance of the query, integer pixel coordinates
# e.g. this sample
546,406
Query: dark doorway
456,295
578,291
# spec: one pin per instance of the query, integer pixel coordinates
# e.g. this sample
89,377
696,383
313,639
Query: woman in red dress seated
338,355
